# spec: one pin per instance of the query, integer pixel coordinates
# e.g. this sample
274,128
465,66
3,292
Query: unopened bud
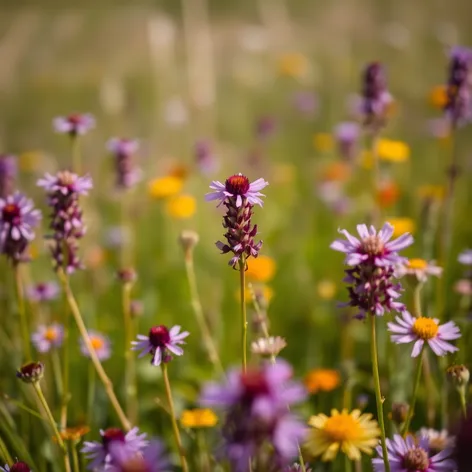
31,372
399,412
188,240
127,276
458,375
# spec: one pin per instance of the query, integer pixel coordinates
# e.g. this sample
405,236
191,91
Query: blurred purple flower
17,220
151,458
100,343
123,150
47,337
42,292
465,257
159,341
8,172
305,102
266,127
347,136
206,160
438,128
75,124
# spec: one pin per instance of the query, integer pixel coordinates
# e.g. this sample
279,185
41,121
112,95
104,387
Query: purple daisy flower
42,292
8,172
238,187
408,329
75,124
17,220
99,453
465,257
159,341
47,337
100,343
151,458
123,150
409,455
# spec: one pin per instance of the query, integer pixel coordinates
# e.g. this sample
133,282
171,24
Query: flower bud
458,375
31,373
399,412
188,239
127,276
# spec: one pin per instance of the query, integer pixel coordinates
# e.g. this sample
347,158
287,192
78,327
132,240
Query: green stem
5,454
76,156
347,464
56,368
21,310
462,396
378,394
411,411
417,300
175,427
90,393
65,366
375,179
75,457
242,281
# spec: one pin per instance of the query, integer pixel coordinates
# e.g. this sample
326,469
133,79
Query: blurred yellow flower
261,269
33,250
323,142
30,161
262,293
181,206
322,380
402,225
388,194
431,192
198,418
293,65
180,171
283,174
417,263
336,171
438,96
326,289
74,434
393,151
164,187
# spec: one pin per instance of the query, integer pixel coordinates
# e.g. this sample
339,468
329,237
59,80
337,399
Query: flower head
31,372
47,337
165,187
74,433
18,466
408,455
100,343
159,342
322,380
123,150
198,418
17,220
438,440
270,346
352,433
75,124
418,269
99,453
408,329
8,172
181,207
43,291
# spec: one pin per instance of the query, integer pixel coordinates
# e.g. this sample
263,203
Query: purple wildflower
75,124
123,150
265,127
17,220
99,453
18,466
373,258
305,102
159,341
42,292
256,404
409,455
63,191
205,157
150,459
100,343
465,257
408,329
347,137
296,467
47,337
8,171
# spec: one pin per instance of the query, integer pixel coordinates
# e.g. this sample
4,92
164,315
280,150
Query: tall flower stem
199,315
91,351
90,393
462,396
42,399
175,427
375,178
75,457
378,395
242,281
347,464
411,411
65,366
4,453
22,312
76,155
56,368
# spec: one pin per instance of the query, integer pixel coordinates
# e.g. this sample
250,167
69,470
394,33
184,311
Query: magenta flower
159,341
100,343
123,150
8,172
99,453
408,329
42,292
47,337
75,124
237,187
407,455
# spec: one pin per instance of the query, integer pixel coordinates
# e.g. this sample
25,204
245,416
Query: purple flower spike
159,343
17,220
42,292
8,172
75,124
409,455
123,150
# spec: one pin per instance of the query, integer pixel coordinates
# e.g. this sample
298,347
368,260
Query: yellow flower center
342,427
97,343
51,334
419,264
425,328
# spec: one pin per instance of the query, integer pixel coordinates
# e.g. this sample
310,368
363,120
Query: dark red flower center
254,384
112,434
41,288
30,369
237,184
74,119
159,336
20,467
415,460
11,213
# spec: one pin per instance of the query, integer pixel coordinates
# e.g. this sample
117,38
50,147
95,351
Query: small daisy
237,186
75,124
438,440
159,341
99,452
100,343
419,269
47,337
270,346
407,455
42,292
465,257
409,329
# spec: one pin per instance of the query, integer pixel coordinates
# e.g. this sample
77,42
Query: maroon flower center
254,384
30,369
41,288
11,213
19,467
74,119
373,246
159,336
113,434
415,460
237,184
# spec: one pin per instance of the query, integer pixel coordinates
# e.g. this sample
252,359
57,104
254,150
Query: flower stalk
22,312
242,282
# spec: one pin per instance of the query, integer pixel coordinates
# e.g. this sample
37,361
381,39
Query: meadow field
116,118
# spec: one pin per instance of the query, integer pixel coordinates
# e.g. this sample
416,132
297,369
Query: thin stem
4,453
21,311
75,457
175,427
93,355
462,394
347,464
242,281
375,179
76,155
90,393
417,300
411,411
44,403
65,366
56,368
198,311
378,395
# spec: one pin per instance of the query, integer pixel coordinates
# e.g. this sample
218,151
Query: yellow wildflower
322,380
438,96
326,289
75,433
402,225
198,418
293,65
260,269
393,151
181,206
165,187
323,142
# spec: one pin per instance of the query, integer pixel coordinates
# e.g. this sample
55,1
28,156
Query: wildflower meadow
236,236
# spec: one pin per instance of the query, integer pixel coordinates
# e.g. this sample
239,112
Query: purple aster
205,157
75,124
100,343
123,150
8,172
151,458
409,455
256,403
408,329
17,220
347,136
465,257
42,292
159,341
47,337
99,453
18,466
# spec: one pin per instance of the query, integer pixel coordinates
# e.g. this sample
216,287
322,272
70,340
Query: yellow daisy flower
322,380
198,418
181,206
165,187
323,142
293,65
352,433
260,269
401,226
431,192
